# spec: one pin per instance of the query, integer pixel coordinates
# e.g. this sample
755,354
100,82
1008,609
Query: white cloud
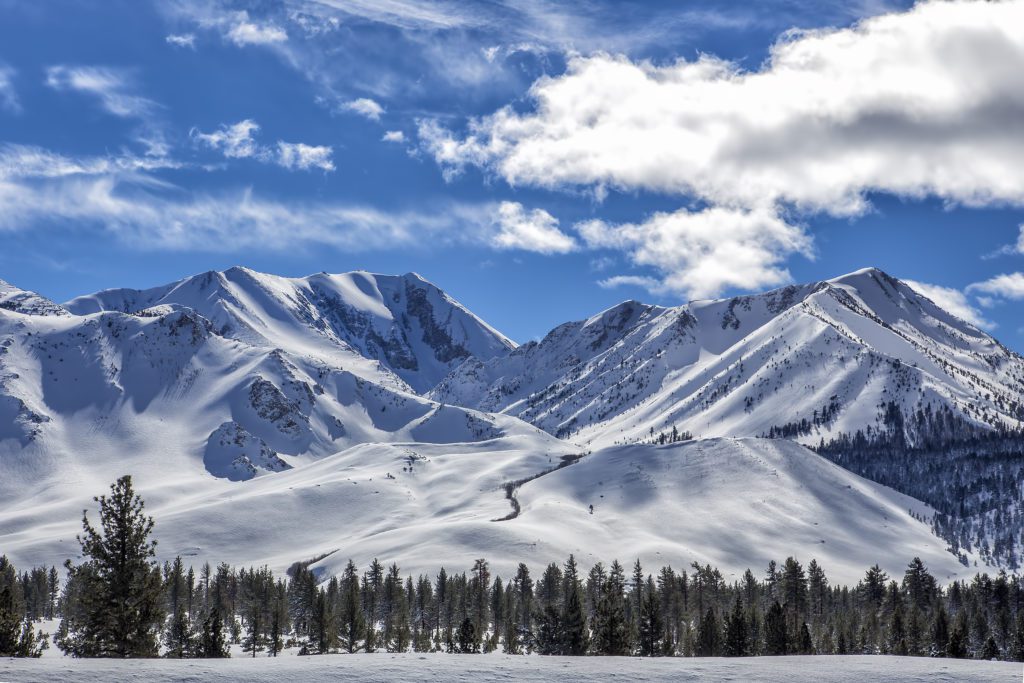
1005,286
887,105
648,283
364,106
182,40
296,155
8,95
700,254
28,161
148,214
923,103
110,86
393,136
535,230
235,141
1010,249
238,141
953,301
242,31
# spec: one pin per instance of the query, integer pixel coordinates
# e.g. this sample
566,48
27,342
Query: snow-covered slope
267,420
733,503
164,384
29,303
408,325
811,361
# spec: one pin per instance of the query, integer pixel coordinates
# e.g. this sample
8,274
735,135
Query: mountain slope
406,324
732,503
163,385
807,362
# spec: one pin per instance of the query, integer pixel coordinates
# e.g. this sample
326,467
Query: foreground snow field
418,667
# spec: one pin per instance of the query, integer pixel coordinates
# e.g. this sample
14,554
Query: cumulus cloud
243,31
1005,286
8,95
701,253
887,105
182,40
296,155
364,106
111,87
953,301
1010,249
238,141
535,230
393,136
235,141
921,103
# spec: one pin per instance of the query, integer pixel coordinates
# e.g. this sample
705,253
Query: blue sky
538,160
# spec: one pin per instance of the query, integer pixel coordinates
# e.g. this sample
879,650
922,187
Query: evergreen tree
736,640
17,638
212,644
651,629
179,638
611,634
775,640
574,638
708,635
121,601
467,637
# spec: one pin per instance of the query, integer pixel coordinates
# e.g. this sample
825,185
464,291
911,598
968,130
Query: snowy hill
733,503
810,361
408,325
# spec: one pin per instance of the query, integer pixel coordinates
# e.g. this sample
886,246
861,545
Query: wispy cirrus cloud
238,141
112,88
8,95
121,197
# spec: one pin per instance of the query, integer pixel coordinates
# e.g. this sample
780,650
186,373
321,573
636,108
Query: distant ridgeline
972,476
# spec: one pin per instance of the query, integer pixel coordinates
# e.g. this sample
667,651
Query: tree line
120,602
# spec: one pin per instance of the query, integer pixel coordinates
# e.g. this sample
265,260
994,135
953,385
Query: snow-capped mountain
806,362
406,324
165,382
269,420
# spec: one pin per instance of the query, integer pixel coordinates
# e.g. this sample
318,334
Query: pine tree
178,638
651,629
1018,638
940,633
736,640
957,645
122,599
353,625
775,640
611,634
212,644
708,635
574,634
467,637
17,638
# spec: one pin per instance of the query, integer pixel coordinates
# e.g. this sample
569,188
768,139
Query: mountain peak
28,303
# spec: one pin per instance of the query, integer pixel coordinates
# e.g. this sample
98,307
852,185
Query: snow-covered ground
474,668
734,503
